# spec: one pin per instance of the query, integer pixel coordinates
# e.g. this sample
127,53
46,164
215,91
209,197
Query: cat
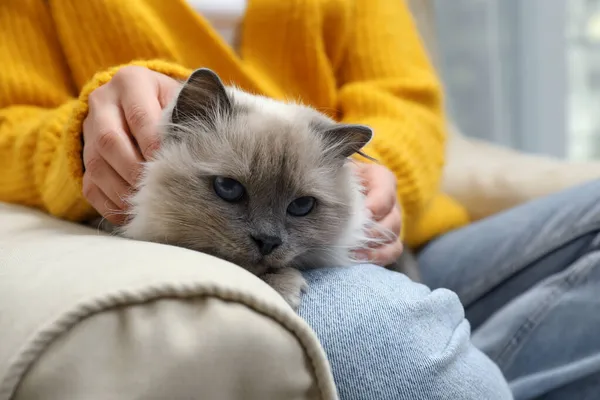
265,184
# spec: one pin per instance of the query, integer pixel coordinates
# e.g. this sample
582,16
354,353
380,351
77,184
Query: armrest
84,315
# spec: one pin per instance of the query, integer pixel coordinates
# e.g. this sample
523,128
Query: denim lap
529,280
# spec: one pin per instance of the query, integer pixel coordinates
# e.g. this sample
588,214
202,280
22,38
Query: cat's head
261,183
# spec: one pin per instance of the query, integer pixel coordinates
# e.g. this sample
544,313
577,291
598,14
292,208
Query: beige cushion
88,316
488,178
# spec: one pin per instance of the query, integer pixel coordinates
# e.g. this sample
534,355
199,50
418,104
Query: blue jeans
528,281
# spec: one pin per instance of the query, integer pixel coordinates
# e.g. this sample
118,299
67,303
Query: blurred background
523,73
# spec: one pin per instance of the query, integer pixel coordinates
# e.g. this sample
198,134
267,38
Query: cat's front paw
289,283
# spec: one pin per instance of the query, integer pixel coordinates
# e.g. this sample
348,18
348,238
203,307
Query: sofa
84,315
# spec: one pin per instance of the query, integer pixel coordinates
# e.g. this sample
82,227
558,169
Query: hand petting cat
380,186
120,132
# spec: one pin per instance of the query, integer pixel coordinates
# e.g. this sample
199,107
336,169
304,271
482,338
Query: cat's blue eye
301,206
228,189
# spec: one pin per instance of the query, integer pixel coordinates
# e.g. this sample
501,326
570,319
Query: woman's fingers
381,201
381,191
383,255
119,131
108,181
386,255
388,228
111,142
142,111
101,202
142,105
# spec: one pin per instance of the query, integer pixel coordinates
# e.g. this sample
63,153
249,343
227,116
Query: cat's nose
266,243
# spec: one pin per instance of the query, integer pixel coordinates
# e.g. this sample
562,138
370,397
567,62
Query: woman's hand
119,133
380,188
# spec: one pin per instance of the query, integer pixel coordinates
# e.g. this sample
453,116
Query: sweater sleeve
387,82
42,112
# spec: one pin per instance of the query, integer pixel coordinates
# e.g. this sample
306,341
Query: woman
83,83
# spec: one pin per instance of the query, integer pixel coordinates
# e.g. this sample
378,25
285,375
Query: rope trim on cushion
43,338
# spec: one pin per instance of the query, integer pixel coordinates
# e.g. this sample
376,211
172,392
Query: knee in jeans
405,340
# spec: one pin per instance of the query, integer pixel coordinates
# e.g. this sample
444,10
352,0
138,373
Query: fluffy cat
264,184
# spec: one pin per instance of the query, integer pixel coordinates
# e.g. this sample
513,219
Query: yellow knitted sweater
359,60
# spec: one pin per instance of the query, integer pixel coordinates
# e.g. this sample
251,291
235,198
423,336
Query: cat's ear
202,98
344,140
